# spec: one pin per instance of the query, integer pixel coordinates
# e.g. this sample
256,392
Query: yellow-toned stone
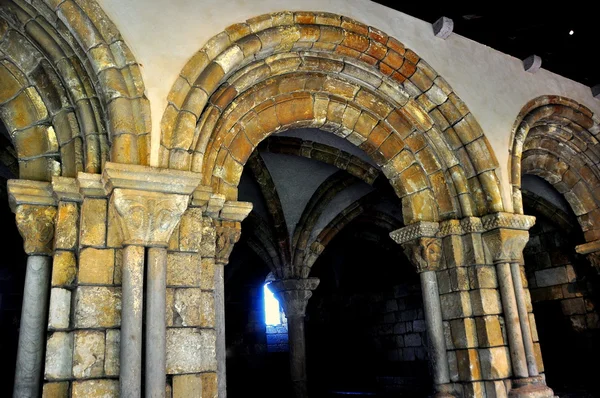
56,390
64,268
187,386
88,354
36,226
209,385
190,230
468,365
489,331
114,237
66,226
97,307
118,266
96,266
93,222
464,333
192,307
101,388
183,269
495,363
207,274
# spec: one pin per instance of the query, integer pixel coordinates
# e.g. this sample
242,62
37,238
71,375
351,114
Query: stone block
538,357
495,389
67,230
489,331
88,354
60,308
474,390
114,237
495,363
468,365
209,385
546,293
412,340
190,230
111,355
464,333
187,386
486,302
190,350
56,390
453,251
193,307
96,389
207,274
456,305
96,266
483,277
97,307
117,276
59,356
64,268
573,306
453,366
207,243
459,278
184,269
551,277
93,222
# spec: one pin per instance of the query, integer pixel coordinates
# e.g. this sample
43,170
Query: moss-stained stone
96,266
183,269
59,356
56,390
64,268
187,386
207,274
96,389
88,354
66,226
191,350
111,355
93,222
97,307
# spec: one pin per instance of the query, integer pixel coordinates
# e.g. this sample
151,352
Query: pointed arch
304,69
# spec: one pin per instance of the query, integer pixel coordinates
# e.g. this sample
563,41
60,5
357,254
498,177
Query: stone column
505,237
148,204
294,295
425,252
35,211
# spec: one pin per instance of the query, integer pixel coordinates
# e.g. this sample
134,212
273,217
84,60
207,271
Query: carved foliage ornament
227,236
36,225
424,253
147,218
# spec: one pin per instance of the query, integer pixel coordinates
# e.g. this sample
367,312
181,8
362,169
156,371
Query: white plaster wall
164,35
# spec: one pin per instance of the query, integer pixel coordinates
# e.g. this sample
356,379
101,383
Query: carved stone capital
148,201
508,221
505,245
294,294
424,253
415,231
35,210
66,189
228,233
216,207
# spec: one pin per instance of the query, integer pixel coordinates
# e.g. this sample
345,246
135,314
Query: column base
530,387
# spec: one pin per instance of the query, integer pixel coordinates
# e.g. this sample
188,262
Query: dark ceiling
513,29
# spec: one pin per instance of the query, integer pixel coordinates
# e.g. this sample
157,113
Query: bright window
272,307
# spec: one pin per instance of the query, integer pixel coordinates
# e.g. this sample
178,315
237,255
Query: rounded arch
306,69
71,92
555,138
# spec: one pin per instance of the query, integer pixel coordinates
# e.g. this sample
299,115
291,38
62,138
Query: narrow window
275,320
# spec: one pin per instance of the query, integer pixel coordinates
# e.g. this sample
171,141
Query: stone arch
305,69
555,138
64,66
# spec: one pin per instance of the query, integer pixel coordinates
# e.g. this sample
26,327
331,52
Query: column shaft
297,346
131,321
435,328
156,326
524,319
32,333
511,317
220,329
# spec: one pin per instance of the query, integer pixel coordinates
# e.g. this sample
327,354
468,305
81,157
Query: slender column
425,252
227,234
156,326
35,210
294,295
524,320
131,321
32,332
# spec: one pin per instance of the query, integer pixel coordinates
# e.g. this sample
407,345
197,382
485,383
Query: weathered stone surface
93,222
489,331
96,389
97,307
209,236
190,350
67,228
187,386
193,307
111,355
456,305
59,356
551,277
209,385
573,306
96,266
184,269
495,363
468,365
36,225
64,268
60,308
495,389
207,274
464,333
88,354
483,277
190,230
486,302
56,390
